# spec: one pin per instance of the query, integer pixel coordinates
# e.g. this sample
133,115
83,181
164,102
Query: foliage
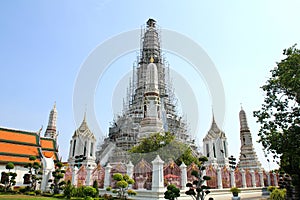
68,189
197,188
278,194
123,182
78,192
235,191
34,172
131,192
8,178
279,115
165,146
107,196
108,189
57,182
95,185
271,188
172,192
89,191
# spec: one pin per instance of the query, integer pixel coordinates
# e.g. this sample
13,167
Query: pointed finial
241,106
151,59
84,116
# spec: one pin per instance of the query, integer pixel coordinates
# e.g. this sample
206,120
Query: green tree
58,174
35,172
8,178
123,181
197,188
279,115
165,146
172,192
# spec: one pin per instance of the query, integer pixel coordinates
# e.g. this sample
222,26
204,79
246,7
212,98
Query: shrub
131,192
235,190
89,191
271,188
37,192
108,189
107,196
278,194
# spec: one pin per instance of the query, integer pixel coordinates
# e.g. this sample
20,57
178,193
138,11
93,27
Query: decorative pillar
261,178
219,178
232,178
129,170
158,174
107,175
244,184
88,176
275,179
183,176
253,178
204,174
268,178
74,175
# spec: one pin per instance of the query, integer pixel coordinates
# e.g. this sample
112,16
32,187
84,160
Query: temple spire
51,128
248,157
243,120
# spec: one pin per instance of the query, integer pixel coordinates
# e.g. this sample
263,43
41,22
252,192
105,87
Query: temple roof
214,131
84,130
17,145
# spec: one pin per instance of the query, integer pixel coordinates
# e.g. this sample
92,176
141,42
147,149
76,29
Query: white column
157,174
129,171
107,175
253,178
183,176
204,174
74,175
232,178
268,178
261,178
244,184
219,178
88,176
275,179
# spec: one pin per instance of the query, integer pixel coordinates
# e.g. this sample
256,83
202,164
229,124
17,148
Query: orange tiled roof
47,144
16,135
18,149
14,159
16,146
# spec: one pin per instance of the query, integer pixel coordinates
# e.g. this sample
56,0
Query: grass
23,197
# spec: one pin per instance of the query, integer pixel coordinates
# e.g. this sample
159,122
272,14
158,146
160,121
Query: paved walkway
244,195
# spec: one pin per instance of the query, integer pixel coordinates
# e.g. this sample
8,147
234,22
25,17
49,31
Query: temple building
17,146
215,146
150,106
248,158
82,147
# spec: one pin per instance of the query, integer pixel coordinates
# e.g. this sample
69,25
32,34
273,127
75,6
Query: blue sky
44,43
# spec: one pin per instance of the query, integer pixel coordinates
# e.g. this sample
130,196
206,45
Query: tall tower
248,158
150,105
215,146
83,143
51,128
